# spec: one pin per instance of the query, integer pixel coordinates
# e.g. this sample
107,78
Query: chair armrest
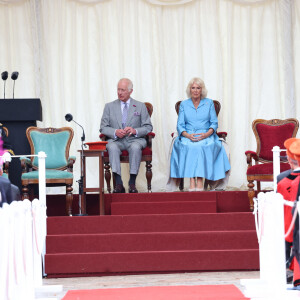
251,155
102,137
149,137
26,164
222,135
71,161
72,158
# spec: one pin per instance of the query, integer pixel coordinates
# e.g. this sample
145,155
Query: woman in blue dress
197,152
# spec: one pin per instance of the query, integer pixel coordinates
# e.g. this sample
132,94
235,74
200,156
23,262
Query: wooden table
100,189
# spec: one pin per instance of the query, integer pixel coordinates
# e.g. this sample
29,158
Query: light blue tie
124,115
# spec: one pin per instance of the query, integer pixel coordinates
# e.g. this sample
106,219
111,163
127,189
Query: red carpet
200,292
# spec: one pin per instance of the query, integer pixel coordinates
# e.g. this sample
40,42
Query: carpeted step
142,208
164,197
150,223
162,241
60,265
227,201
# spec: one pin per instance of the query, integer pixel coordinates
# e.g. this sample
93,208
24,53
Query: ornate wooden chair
146,156
268,133
222,135
55,142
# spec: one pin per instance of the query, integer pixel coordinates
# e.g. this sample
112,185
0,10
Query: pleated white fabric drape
21,247
71,53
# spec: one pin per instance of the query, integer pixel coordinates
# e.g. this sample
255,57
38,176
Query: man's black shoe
119,189
132,188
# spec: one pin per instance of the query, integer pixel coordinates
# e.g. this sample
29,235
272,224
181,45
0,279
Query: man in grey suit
125,122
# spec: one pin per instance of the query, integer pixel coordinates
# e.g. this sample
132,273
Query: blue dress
206,158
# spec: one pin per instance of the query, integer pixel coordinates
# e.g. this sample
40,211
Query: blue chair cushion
54,145
50,174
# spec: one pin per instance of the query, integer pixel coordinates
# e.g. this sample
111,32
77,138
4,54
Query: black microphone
14,77
4,76
69,118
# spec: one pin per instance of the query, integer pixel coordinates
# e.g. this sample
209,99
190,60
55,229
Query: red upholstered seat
147,151
268,133
266,169
124,158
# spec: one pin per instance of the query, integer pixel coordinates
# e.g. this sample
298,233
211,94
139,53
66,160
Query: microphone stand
80,181
4,88
14,90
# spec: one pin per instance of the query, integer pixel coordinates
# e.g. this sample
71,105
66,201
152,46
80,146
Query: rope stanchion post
42,208
270,232
269,223
272,246
30,231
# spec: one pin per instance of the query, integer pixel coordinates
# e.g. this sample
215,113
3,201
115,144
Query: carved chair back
216,103
149,107
270,133
5,131
55,142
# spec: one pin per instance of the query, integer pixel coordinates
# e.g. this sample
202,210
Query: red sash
284,187
295,187
294,194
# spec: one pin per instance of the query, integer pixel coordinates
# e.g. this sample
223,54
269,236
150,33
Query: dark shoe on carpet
132,188
119,189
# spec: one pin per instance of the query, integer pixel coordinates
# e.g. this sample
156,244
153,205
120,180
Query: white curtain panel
71,54
18,45
168,2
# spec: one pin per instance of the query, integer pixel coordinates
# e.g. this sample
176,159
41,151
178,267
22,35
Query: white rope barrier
23,241
285,202
269,224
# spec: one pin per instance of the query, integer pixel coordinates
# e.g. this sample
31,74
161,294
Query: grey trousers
134,149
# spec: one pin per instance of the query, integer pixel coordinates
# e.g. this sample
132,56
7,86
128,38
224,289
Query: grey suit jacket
137,118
